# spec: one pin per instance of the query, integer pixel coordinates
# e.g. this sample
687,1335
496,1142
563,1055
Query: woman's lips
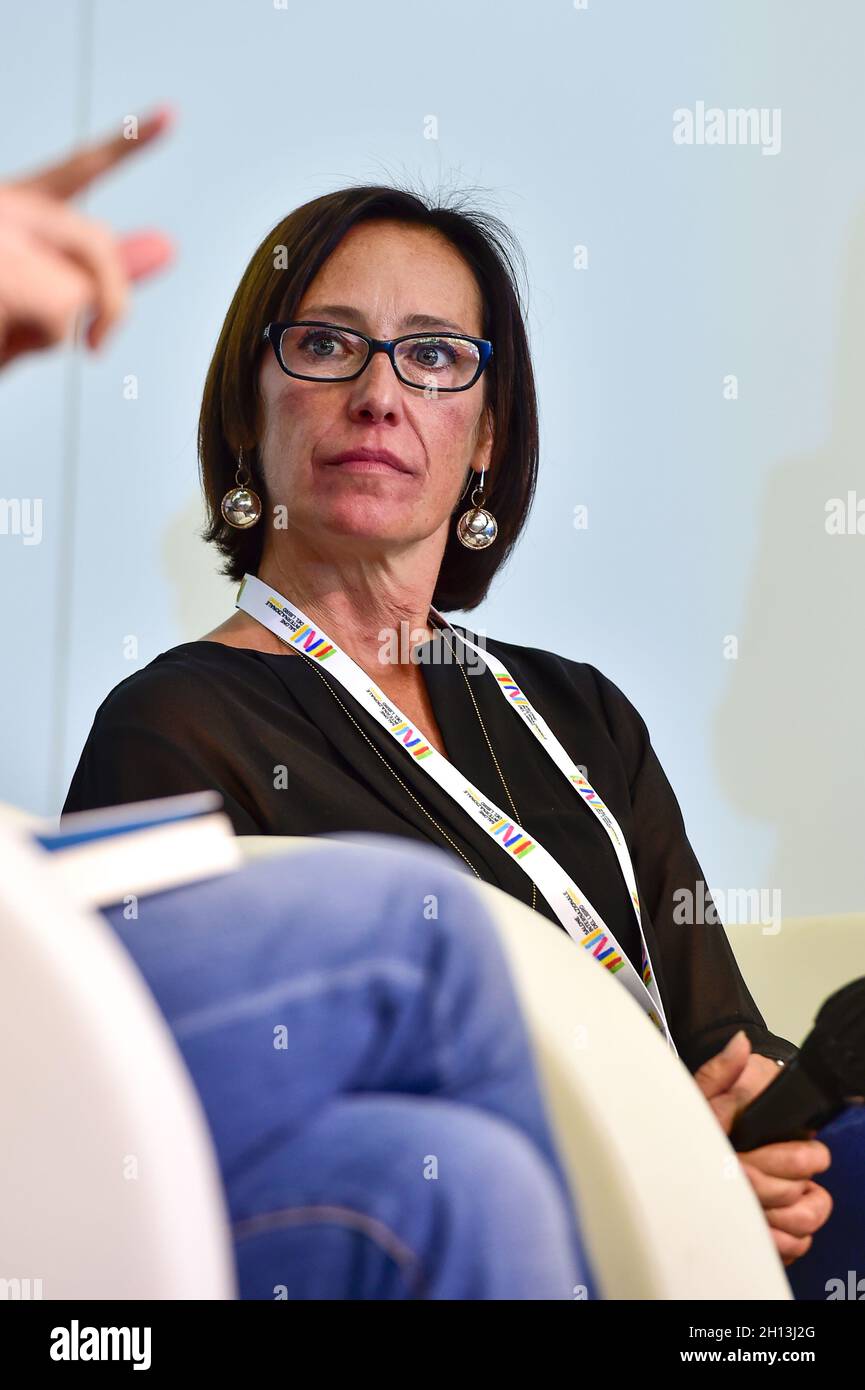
366,466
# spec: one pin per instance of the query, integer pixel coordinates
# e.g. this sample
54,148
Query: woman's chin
365,523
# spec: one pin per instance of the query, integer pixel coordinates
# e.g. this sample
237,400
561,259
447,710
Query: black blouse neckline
466,744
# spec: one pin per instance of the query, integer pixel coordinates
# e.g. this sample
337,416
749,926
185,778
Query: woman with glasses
374,369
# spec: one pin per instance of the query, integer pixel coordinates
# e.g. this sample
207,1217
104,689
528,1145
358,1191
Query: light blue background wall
706,515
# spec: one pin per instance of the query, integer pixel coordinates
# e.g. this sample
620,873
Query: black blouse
264,731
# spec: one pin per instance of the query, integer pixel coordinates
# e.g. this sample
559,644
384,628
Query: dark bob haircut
272,287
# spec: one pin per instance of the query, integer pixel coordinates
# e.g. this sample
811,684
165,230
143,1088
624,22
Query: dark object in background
826,1075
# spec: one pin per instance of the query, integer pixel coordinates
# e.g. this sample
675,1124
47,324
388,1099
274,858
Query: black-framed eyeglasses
316,351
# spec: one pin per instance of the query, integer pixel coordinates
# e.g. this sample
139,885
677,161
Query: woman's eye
316,341
436,353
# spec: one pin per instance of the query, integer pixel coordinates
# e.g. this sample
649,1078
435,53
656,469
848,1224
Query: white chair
664,1206
109,1186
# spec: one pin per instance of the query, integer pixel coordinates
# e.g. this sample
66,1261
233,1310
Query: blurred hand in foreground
55,262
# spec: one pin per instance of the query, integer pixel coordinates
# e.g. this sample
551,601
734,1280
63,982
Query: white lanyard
582,922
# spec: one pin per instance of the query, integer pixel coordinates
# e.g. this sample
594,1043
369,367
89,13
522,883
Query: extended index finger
69,176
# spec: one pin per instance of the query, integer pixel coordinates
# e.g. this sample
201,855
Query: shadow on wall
202,598
790,733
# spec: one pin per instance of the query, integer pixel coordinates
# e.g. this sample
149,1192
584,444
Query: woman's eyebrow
346,312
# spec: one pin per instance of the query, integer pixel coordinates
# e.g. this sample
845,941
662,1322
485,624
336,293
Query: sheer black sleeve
710,1000
157,734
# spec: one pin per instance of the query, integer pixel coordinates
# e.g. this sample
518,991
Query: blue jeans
838,1248
366,1075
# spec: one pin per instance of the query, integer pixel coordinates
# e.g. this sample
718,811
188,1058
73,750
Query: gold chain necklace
417,803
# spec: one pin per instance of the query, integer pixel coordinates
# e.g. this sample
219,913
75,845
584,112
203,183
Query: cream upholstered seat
664,1206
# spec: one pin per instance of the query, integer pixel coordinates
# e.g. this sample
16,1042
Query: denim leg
835,1263
287,985
403,1197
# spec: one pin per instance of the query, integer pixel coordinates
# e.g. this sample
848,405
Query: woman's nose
377,388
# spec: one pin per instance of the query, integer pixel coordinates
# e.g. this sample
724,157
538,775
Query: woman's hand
55,262
780,1174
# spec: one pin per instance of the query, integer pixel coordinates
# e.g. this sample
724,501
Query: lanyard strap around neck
572,908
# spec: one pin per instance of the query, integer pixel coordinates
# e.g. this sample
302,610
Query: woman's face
381,274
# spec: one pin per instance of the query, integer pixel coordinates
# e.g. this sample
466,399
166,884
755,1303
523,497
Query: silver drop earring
477,528
241,506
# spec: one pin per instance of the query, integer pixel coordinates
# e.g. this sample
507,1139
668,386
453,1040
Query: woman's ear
484,442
